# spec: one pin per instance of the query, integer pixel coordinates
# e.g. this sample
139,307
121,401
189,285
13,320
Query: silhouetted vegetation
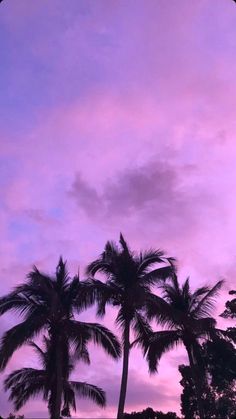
149,413
218,360
48,307
185,315
128,281
230,313
50,303
218,394
28,382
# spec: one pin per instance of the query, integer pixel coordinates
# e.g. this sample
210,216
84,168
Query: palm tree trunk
125,369
57,413
197,383
55,410
57,390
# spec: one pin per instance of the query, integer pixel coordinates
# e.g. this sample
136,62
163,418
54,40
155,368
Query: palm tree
186,318
129,278
50,303
29,382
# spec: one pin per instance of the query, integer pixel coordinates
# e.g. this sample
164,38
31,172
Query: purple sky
117,116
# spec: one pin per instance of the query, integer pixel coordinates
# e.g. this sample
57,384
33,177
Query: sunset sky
117,115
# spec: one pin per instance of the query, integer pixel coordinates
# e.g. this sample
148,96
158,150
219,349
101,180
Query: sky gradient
117,116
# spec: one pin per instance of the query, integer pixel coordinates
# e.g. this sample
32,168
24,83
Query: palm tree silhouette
186,315
50,303
128,281
30,382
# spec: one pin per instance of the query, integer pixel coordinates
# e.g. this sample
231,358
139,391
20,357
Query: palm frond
22,375
111,250
159,343
15,303
170,290
40,281
80,332
196,295
125,315
41,354
101,266
86,296
160,274
160,310
33,294
142,327
124,245
106,262
104,337
175,283
69,399
186,290
200,292
62,276
148,258
122,317
206,304
81,352
24,384
95,291
142,330
90,391
15,337
72,293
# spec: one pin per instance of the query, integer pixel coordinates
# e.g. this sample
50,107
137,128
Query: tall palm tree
29,382
50,303
129,278
186,318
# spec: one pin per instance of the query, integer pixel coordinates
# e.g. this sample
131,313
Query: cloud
133,190
157,191
153,185
86,196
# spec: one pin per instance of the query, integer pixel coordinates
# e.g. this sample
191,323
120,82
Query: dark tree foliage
219,394
189,407
230,313
188,397
149,413
220,357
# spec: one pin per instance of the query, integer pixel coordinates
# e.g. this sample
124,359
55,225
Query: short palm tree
129,278
49,303
27,383
186,318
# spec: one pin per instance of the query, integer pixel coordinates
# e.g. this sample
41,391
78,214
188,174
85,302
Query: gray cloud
154,184
157,190
85,196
